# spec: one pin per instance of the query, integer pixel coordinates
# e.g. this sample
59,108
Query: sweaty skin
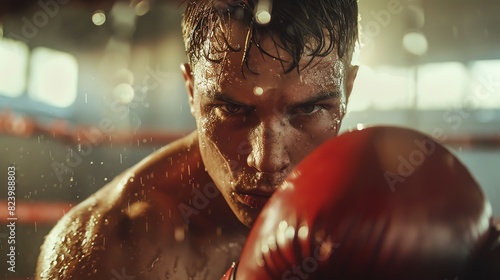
164,218
133,227
255,125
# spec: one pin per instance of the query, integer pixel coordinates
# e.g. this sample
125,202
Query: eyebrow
324,95
219,96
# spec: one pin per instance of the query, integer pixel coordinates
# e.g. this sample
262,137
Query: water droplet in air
150,267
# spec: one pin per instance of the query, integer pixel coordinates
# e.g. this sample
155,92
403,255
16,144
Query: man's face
254,128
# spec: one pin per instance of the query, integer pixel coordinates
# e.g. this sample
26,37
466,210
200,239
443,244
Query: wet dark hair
299,27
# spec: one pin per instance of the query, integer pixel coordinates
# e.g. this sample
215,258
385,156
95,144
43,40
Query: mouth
254,201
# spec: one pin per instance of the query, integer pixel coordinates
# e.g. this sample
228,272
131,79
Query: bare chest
187,259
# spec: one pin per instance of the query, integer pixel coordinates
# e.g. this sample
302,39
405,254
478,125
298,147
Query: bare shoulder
121,230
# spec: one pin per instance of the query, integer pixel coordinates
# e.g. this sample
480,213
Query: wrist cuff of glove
233,272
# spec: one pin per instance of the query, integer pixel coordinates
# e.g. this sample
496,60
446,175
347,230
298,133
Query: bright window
53,77
439,86
442,85
485,91
381,89
13,63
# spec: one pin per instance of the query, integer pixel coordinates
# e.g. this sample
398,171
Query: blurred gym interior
88,88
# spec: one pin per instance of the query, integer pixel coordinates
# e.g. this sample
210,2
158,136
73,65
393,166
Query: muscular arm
132,227
118,230
86,241
100,239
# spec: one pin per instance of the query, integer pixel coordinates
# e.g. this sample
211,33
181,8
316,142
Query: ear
351,77
188,80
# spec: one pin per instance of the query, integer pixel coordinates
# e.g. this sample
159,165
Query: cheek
209,137
209,127
314,133
221,146
328,127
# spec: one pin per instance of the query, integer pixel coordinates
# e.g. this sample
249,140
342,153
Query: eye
231,108
306,109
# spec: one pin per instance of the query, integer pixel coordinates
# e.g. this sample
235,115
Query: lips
254,201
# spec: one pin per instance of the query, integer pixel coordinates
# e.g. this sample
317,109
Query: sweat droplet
152,264
263,17
258,91
263,12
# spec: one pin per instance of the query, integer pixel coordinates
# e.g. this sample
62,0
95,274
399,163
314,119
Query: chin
247,221
247,216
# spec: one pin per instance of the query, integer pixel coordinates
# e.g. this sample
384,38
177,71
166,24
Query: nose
269,147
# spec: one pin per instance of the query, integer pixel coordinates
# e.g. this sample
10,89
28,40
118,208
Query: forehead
327,71
260,65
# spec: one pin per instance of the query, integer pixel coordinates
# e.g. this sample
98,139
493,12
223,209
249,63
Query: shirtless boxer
263,96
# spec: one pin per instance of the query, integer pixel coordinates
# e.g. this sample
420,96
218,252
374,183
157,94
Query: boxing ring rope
60,130
41,213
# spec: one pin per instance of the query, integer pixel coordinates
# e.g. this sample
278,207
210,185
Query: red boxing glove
380,203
